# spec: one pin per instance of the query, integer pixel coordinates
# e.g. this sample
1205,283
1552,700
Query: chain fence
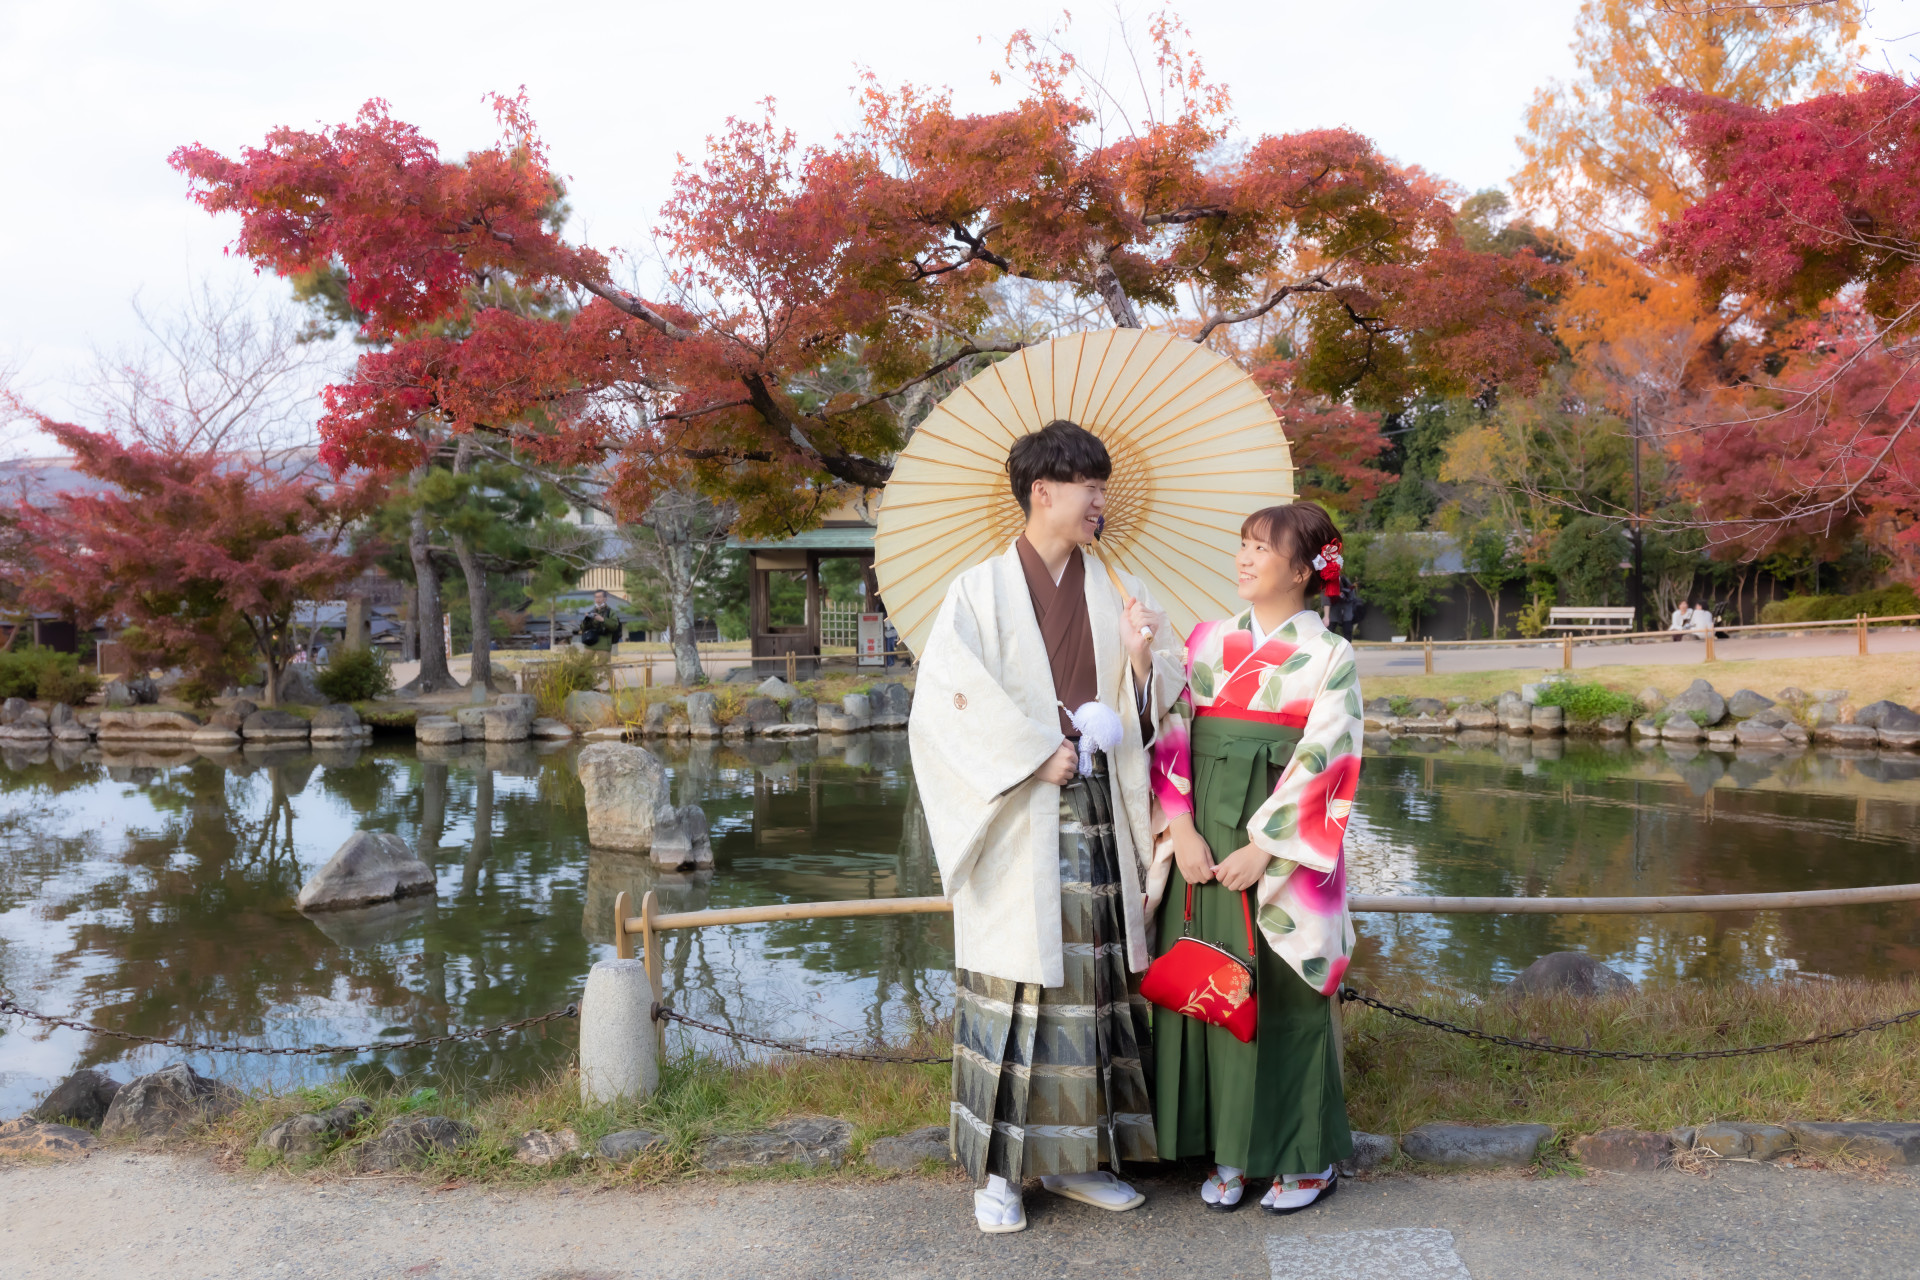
10,1006
1350,995
666,1013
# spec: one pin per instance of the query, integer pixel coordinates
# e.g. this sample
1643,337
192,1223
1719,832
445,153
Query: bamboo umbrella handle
1125,598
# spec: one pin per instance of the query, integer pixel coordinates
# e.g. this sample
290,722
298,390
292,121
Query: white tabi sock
998,1203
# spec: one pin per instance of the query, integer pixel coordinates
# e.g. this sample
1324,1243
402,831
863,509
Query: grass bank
1894,676
1399,1075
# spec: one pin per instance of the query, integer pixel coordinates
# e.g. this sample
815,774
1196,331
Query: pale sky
96,94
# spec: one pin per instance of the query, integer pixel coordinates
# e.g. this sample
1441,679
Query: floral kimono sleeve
1305,819
1173,760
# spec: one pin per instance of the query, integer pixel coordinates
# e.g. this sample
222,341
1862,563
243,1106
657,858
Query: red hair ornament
1328,564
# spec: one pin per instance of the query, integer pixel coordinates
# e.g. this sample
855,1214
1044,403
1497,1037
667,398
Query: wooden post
646,681
1566,653
622,940
1860,625
1707,635
650,938
790,667
1426,653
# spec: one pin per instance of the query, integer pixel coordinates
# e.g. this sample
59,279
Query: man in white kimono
1036,696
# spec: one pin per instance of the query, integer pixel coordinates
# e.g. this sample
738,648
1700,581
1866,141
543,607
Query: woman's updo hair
1302,528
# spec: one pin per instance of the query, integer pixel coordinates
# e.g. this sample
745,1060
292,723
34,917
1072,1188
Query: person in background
1682,619
1344,609
1701,622
600,625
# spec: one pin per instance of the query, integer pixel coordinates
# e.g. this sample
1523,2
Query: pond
152,893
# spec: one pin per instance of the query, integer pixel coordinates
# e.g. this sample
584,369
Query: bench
1605,618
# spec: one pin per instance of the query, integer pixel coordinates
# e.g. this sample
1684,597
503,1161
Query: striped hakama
1055,1079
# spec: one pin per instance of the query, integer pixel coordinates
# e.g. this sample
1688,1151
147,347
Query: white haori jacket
984,718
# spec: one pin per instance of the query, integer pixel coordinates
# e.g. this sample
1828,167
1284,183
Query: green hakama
1276,1106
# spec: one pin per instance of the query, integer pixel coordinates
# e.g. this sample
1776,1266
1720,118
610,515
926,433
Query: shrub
1586,703
575,671
67,682
21,671
355,675
1533,618
1882,602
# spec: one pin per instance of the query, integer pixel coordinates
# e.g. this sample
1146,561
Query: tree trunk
686,650
428,630
480,671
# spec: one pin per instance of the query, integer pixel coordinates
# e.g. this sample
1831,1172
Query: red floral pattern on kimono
1302,676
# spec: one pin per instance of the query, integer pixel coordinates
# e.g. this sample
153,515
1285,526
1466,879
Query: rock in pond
891,703
147,726
339,723
297,687
1888,715
269,725
628,1144
816,1141
588,709
1744,704
372,866
625,786
409,1142
682,838
1573,973
437,730
1476,1146
314,1132
542,1150
1473,716
776,688
700,715
549,730
1698,696
1623,1150
82,1098
172,1099
29,1137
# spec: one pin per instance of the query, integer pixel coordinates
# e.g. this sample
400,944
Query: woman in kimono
1254,773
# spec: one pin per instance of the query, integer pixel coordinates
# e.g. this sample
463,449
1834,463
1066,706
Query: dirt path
177,1217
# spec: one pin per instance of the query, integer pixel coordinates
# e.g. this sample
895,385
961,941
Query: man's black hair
1061,451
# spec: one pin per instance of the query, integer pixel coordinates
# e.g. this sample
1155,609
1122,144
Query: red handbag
1206,982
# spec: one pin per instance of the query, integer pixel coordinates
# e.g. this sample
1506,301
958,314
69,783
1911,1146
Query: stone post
619,1051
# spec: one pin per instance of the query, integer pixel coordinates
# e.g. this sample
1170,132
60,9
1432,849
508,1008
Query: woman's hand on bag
1190,850
1243,869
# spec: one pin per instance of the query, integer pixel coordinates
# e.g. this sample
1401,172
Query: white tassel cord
1100,730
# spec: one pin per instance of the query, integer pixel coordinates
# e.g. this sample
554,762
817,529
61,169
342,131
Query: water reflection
1553,818
152,890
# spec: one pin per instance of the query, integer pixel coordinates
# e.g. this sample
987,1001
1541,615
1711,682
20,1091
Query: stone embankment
776,709
176,1102
240,724
1743,720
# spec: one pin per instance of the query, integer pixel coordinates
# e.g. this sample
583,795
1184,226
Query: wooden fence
1860,623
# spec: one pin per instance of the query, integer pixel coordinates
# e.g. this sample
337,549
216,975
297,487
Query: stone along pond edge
175,1107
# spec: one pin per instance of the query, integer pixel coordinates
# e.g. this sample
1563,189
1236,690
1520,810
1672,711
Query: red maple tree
1810,208
813,293
204,555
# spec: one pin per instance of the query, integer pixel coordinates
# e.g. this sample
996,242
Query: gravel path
1837,643
177,1217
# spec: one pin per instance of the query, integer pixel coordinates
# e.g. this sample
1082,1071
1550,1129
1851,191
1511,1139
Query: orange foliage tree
811,292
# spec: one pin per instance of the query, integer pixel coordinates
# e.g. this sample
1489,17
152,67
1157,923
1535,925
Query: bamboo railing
1861,623
649,923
